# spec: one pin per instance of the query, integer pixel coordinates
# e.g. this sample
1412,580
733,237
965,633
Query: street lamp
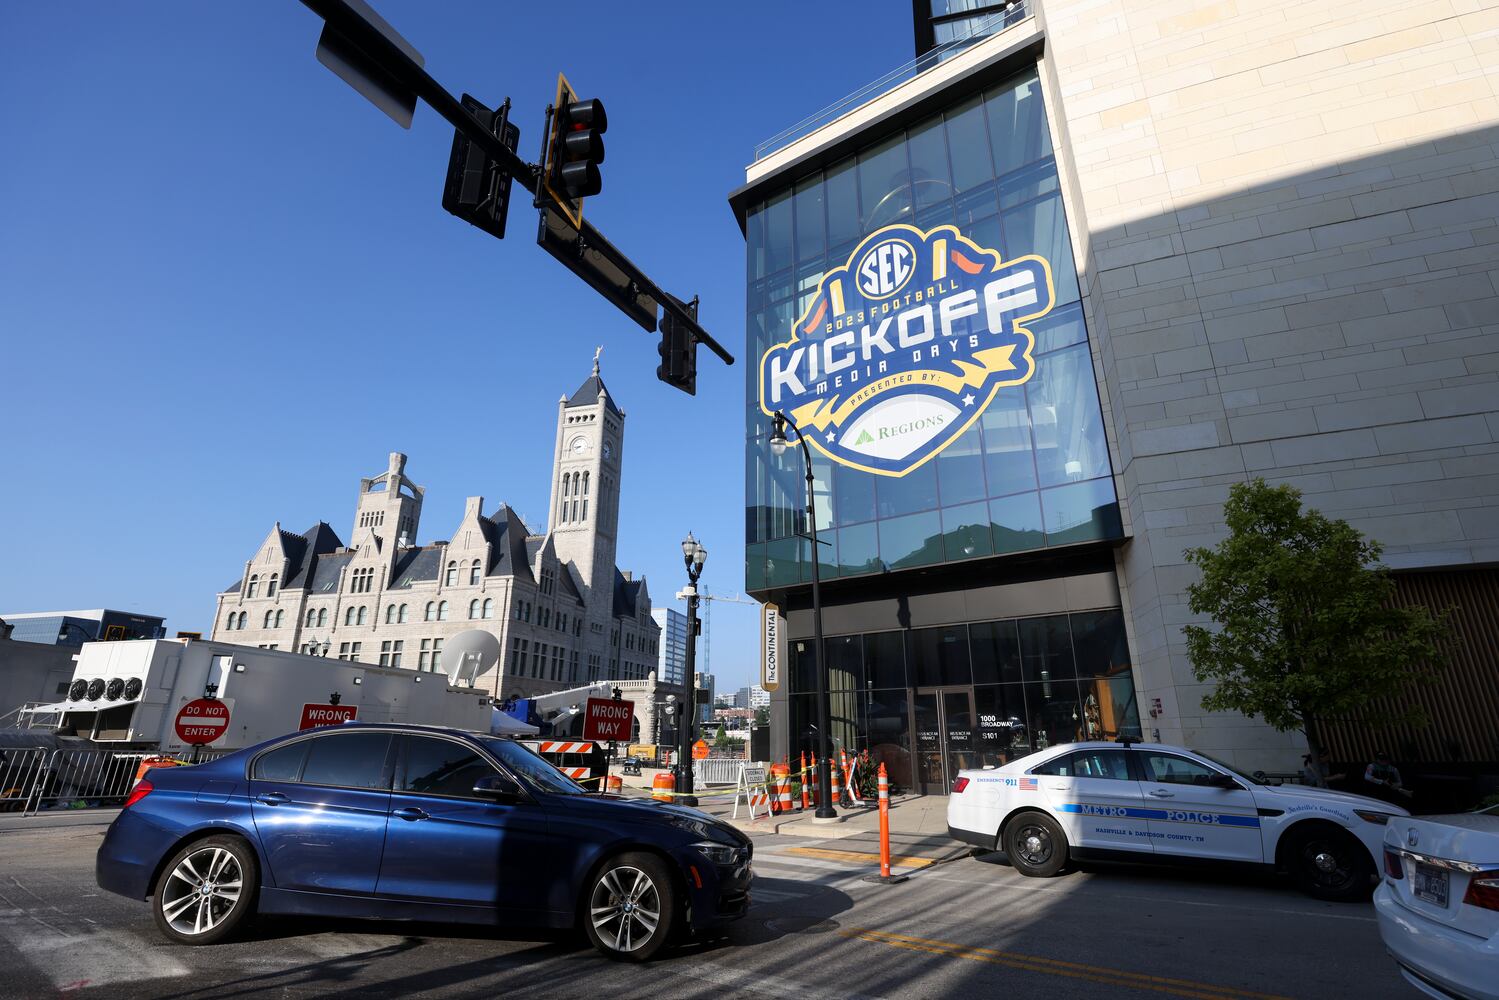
825,810
693,557
62,632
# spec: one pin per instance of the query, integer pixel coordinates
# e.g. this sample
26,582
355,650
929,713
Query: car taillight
959,785
1483,890
1392,866
140,791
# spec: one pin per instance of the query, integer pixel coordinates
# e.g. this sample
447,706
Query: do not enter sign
202,721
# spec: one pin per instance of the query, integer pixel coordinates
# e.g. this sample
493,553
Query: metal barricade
19,769
83,779
716,770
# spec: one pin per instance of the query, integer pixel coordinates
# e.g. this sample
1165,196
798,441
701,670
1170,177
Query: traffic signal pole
388,67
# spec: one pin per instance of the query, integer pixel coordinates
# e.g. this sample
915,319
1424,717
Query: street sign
606,719
771,647
365,63
699,750
314,715
201,721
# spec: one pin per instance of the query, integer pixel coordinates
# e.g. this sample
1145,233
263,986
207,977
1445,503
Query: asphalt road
965,927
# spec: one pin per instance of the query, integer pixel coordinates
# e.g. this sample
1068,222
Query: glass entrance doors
942,719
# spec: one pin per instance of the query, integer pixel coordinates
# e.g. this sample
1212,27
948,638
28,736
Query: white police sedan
1158,804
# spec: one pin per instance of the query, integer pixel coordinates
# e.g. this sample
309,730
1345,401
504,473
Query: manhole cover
802,925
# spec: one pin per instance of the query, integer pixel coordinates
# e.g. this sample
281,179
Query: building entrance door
943,724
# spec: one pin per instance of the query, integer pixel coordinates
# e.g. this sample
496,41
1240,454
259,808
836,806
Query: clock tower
584,508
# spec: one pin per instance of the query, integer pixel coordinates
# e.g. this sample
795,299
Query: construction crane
708,622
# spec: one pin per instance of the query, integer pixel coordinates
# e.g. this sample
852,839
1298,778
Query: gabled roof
626,595
508,550
571,586
416,565
325,572
587,394
318,540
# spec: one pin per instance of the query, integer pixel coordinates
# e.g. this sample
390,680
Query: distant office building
74,628
671,664
705,694
752,697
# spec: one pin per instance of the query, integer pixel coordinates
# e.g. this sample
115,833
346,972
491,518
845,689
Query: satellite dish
470,654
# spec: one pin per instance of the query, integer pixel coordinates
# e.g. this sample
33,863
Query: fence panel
19,768
716,770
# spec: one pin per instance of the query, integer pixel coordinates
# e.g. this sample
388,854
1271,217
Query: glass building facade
1034,471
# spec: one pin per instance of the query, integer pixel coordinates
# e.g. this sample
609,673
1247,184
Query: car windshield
1231,769
530,768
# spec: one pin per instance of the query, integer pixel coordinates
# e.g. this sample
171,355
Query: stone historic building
563,612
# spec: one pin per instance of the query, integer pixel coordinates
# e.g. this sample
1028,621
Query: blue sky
228,289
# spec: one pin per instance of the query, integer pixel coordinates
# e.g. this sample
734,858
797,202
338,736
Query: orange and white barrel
662,786
780,782
614,783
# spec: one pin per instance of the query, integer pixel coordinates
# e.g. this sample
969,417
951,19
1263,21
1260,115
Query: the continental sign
905,345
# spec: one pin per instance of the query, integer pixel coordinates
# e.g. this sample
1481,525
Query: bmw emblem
1412,838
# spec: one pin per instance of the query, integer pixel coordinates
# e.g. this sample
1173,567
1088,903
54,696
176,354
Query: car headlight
1370,816
719,854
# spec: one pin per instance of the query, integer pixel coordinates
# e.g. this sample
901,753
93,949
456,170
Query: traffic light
678,350
575,148
477,188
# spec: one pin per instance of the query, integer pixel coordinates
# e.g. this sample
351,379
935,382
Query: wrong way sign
607,719
314,715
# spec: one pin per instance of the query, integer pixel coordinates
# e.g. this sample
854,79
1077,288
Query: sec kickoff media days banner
905,345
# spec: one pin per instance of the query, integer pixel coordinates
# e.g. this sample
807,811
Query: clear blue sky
228,289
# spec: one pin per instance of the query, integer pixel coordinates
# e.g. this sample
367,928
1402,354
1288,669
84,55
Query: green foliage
1305,629
723,741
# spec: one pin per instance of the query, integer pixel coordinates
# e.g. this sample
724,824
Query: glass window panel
754,245
845,662
965,531
778,233
884,184
931,182
842,192
442,767
1016,523
914,540
859,550
960,469
827,551
887,724
1017,124
811,234
916,490
822,489
885,659
843,720
975,206
1081,512
1109,765
803,666
348,760
1001,729
754,566
1098,640
1009,464
803,723
936,214
1109,705
281,764
1046,648
1052,713
1065,418
782,565
1062,327
1040,227
996,652
853,495
1028,184
968,142
939,656
1169,769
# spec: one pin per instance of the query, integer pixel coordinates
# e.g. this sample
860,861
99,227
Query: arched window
442,611
243,617
401,614
311,617
322,616
349,615
431,611
488,611
229,623
390,614
363,615
452,578
473,608
473,574
270,585
279,618
584,515
254,586
269,616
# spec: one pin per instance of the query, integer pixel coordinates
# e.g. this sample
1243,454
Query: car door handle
410,813
1161,793
271,798
1058,786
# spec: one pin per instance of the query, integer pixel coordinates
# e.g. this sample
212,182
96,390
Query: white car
1438,904
1154,803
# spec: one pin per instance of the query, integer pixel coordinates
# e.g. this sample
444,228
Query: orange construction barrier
614,783
780,780
662,786
806,783
149,762
836,793
884,875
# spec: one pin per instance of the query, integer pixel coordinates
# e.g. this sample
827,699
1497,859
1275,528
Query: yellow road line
863,857
1058,967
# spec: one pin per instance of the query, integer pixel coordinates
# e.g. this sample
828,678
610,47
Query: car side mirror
499,787
1223,781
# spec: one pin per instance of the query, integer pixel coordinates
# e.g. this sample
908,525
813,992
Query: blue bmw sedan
418,823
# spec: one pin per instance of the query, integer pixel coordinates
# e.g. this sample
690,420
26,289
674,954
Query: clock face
608,449
579,445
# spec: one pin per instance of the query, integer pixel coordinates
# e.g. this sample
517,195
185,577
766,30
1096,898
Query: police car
1154,803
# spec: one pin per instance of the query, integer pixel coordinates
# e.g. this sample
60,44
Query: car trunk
1438,859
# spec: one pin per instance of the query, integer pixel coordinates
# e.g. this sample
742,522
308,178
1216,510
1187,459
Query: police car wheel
1331,865
1035,845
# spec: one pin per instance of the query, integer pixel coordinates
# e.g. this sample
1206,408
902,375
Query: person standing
1315,768
1385,777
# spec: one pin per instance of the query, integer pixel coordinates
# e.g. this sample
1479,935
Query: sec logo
886,268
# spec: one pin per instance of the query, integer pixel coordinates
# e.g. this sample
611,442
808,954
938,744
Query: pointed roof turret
592,389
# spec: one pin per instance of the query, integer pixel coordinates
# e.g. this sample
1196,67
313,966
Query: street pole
689,703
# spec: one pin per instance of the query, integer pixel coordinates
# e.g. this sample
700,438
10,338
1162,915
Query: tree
1306,629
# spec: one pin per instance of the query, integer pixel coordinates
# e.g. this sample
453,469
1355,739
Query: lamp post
693,557
825,808
62,632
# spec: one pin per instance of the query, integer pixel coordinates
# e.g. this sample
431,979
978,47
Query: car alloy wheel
206,890
625,909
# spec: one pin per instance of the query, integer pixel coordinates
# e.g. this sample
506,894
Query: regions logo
905,345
